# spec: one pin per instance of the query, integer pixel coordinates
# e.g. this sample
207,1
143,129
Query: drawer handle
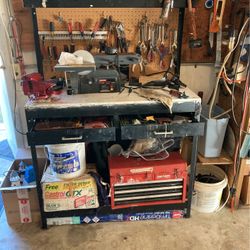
164,133
71,138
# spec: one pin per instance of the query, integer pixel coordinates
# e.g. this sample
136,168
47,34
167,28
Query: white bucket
207,196
68,161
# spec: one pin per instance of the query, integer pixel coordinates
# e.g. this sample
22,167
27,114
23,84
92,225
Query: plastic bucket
210,144
207,196
67,161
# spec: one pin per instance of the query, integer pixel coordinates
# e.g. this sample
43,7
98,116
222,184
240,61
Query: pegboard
130,18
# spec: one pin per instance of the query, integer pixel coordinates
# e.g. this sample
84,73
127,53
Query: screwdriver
79,27
70,29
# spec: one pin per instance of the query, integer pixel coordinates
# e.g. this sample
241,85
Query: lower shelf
106,214
106,210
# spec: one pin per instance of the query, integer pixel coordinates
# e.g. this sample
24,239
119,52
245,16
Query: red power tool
35,87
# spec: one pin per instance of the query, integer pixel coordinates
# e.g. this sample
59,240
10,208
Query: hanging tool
103,23
165,9
166,31
214,25
65,48
141,47
103,43
220,7
138,46
92,36
121,39
194,41
110,29
162,49
52,51
43,49
150,55
210,40
218,49
140,65
59,18
53,48
70,30
79,27
173,47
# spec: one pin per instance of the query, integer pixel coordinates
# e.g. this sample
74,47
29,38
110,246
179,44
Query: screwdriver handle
80,28
70,27
51,26
96,27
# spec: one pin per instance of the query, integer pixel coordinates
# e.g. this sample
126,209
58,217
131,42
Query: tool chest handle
71,138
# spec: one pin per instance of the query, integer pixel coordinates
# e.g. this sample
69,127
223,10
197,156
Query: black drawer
129,132
71,136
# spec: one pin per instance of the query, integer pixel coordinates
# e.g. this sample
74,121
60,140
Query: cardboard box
21,202
245,191
59,195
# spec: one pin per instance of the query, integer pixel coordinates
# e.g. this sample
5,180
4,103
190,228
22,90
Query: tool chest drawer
166,130
56,131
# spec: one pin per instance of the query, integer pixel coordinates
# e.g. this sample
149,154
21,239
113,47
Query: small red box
136,182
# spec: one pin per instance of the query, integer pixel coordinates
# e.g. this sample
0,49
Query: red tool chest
136,182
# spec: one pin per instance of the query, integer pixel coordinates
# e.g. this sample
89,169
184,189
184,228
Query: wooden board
24,18
223,159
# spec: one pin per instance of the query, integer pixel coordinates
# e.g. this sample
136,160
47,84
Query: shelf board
223,159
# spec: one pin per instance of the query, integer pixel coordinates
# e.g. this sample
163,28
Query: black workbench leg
192,175
38,186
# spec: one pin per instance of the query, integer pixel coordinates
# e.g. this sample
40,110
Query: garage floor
224,230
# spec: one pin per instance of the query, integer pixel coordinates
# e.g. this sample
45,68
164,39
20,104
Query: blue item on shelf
29,174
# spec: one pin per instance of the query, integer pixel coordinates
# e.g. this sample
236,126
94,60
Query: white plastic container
207,197
68,161
210,144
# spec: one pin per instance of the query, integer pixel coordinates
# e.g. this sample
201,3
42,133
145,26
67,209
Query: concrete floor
225,230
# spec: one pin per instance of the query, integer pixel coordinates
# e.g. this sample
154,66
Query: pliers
140,64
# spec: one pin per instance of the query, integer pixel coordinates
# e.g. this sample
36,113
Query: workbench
114,106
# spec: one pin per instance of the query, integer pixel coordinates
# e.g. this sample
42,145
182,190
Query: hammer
194,42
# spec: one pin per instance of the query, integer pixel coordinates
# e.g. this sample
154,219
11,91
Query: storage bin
210,144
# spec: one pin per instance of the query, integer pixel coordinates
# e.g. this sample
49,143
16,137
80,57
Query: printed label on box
66,195
25,213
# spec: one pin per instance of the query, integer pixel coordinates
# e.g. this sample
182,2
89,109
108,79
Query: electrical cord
15,106
233,106
234,84
162,152
221,70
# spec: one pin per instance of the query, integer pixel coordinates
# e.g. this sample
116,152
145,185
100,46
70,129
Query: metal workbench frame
102,110
115,111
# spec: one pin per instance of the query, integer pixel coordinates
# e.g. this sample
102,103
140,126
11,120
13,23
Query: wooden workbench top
105,99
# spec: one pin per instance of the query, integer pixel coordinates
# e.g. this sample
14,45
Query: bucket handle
46,152
224,204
